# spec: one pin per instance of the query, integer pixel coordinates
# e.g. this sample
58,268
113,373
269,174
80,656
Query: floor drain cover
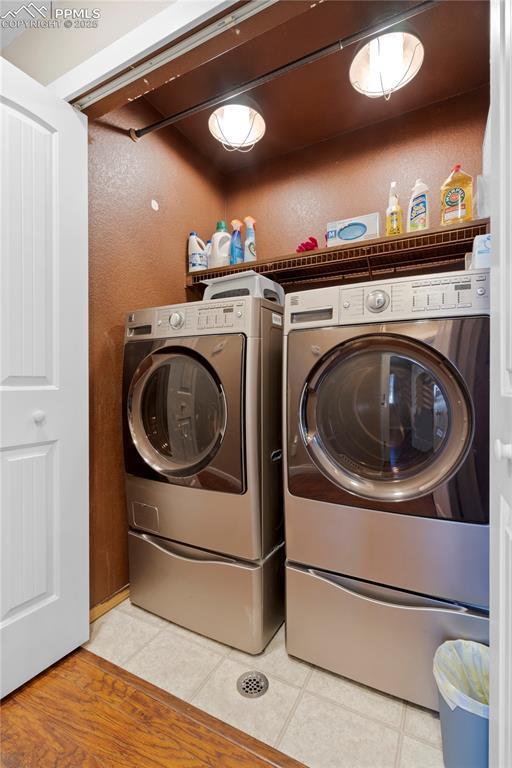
252,684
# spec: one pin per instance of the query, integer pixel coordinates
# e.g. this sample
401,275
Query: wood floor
84,712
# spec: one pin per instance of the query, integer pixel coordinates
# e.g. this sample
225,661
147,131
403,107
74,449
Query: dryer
387,497
202,447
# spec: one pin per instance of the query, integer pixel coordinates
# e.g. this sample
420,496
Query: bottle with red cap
457,197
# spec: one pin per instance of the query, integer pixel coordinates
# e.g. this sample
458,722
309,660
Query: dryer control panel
406,298
455,294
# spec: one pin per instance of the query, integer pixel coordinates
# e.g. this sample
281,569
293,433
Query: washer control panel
460,293
240,315
198,318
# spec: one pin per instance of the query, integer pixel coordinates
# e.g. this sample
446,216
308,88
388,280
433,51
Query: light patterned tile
365,700
275,661
193,637
262,717
174,664
324,735
423,724
187,634
130,609
116,636
415,754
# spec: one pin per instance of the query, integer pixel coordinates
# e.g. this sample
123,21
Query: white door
501,387
43,378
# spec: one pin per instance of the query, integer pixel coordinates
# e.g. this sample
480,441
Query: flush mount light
386,63
237,126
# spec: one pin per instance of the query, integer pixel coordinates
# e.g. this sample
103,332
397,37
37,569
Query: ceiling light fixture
238,127
386,63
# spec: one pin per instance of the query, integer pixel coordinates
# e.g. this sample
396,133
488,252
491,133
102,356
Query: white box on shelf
351,230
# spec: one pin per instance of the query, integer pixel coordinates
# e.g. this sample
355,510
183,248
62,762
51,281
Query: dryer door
393,413
385,417
184,407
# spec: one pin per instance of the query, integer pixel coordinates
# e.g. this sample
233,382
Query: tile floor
321,719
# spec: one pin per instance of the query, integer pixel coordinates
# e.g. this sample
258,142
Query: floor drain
252,684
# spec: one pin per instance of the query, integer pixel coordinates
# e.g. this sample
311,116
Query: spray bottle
393,213
236,252
250,239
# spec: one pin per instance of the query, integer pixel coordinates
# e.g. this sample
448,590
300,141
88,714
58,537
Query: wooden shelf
437,250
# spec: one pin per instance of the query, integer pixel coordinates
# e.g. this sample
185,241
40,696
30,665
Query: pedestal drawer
234,602
378,636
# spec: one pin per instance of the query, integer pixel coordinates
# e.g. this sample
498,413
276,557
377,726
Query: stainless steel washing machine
386,498
202,446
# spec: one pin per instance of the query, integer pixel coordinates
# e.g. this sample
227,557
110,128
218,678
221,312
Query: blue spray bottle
236,251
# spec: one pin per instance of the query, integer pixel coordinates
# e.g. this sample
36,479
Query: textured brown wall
297,194
137,259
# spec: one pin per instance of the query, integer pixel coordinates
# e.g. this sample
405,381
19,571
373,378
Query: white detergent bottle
418,211
208,252
219,255
197,257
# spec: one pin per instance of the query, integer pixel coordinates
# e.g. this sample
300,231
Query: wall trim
107,605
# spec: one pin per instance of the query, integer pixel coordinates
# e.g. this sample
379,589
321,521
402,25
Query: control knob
377,301
176,320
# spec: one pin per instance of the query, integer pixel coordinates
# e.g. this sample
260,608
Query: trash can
461,670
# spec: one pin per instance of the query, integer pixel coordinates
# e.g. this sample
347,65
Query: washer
387,497
202,447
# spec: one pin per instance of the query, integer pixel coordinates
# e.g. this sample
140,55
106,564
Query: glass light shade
386,63
237,126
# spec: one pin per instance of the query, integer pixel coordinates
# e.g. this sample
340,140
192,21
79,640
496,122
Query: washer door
177,412
386,417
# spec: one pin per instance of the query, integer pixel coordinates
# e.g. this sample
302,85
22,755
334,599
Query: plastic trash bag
461,670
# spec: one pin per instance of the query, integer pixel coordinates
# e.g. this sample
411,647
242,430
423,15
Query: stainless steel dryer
386,499
202,445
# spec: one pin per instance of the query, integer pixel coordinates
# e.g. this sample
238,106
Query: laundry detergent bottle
208,250
394,224
418,211
219,256
457,197
197,256
250,239
236,251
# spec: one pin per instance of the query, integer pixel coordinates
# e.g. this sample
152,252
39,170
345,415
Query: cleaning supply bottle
208,250
196,253
250,239
236,252
220,246
394,224
457,197
418,211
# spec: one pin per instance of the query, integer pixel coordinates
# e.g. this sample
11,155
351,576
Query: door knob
502,450
39,416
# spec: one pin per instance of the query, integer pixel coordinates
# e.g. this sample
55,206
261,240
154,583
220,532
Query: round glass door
386,418
176,413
